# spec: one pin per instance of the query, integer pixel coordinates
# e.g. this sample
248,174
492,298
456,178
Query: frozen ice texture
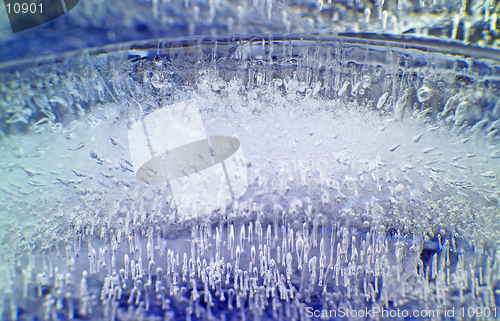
354,200
97,23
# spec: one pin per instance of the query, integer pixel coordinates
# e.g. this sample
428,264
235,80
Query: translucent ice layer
101,22
372,182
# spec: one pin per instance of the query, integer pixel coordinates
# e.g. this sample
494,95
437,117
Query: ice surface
364,189
98,22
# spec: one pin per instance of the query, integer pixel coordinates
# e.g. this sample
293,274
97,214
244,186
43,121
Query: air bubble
424,94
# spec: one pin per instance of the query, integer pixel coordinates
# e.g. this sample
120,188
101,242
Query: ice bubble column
205,173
